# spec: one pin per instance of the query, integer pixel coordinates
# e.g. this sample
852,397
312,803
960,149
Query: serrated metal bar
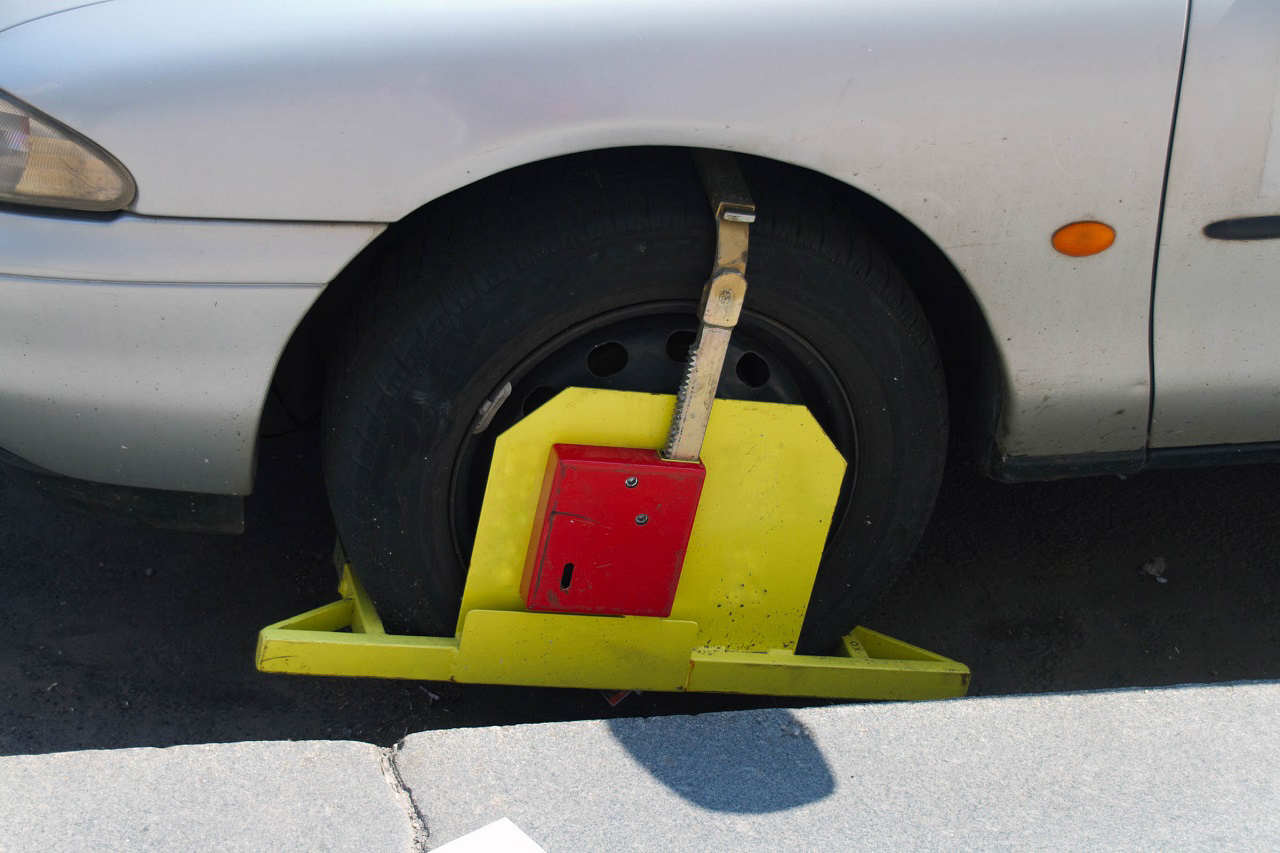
722,299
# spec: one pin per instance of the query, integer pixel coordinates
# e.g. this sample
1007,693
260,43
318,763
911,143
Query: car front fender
986,124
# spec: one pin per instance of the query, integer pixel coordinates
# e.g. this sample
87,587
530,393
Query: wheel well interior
959,328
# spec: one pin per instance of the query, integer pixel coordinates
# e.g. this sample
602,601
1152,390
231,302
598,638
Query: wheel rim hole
607,359
536,398
753,370
678,344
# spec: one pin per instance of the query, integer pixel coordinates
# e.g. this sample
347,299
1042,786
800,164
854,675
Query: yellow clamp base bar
346,638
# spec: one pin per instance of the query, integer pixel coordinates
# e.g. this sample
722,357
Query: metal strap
722,299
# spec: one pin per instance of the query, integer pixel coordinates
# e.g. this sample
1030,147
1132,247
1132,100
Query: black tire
489,281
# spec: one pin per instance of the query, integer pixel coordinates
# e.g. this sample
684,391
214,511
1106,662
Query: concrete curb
280,796
1136,769
1139,769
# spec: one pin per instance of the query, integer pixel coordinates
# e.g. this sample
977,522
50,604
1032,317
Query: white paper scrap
501,836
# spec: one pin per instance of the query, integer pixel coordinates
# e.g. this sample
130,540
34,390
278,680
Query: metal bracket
346,638
722,299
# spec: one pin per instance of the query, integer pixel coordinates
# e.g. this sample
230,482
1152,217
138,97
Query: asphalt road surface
115,635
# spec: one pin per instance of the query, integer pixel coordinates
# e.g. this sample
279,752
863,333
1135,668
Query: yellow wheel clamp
729,585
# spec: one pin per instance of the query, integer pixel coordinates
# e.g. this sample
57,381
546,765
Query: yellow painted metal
364,618
772,482
347,638
856,673
495,647
636,652
556,649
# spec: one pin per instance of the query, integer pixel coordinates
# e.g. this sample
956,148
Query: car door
1216,322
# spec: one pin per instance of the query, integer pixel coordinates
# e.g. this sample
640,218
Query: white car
1051,226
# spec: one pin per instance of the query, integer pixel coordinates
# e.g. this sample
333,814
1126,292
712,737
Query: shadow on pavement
114,635
765,763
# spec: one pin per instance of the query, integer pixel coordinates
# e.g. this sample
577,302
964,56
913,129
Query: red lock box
611,531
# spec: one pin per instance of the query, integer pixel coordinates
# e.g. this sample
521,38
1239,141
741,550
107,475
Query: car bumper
138,351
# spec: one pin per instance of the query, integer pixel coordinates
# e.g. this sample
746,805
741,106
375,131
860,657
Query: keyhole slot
566,577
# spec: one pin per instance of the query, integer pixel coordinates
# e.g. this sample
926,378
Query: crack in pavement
404,794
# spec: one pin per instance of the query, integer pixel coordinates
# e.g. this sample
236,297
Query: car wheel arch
975,375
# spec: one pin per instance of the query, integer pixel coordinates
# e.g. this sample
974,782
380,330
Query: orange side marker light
1083,238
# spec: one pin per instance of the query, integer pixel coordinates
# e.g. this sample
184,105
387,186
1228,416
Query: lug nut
642,519
632,482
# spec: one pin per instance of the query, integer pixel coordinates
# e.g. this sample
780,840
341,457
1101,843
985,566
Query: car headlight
44,163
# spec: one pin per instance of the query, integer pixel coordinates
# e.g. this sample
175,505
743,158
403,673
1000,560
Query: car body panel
145,377
147,385
137,248
1217,303
15,13
986,124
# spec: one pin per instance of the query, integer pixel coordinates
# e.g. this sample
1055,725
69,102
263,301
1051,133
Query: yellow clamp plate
772,481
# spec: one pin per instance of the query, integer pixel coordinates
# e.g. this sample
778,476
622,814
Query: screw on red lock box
613,523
